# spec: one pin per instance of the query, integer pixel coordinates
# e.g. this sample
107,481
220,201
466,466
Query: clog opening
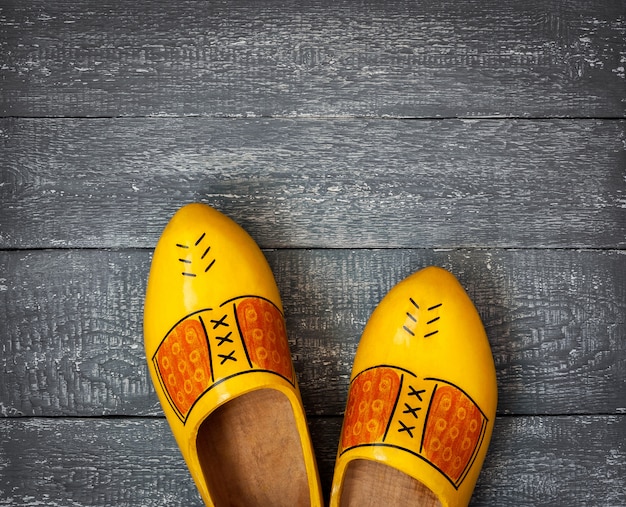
370,483
251,454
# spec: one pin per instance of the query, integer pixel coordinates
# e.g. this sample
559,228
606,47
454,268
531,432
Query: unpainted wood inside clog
372,484
250,452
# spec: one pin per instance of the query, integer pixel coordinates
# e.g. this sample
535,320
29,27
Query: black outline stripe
395,405
164,389
208,344
178,322
383,366
423,458
430,403
183,418
483,432
224,379
253,296
457,387
427,335
241,338
160,374
468,467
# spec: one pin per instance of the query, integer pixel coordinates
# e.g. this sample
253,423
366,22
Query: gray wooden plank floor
375,183
356,143
93,461
318,58
556,320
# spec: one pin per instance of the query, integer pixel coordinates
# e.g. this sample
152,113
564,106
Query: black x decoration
223,339
411,410
220,322
408,429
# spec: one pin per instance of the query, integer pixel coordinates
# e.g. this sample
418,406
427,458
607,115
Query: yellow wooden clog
217,351
422,400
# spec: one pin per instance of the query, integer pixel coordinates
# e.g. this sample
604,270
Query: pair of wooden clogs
422,398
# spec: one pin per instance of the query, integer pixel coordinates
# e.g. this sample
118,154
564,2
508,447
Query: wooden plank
317,183
555,461
550,461
72,323
92,462
319,58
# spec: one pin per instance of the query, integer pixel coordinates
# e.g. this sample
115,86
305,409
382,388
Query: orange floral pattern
429,418
370,405
263,331
183,363
452,432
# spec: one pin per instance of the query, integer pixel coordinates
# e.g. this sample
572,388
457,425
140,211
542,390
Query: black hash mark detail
414,303
408,330
434,320
433,307
411,317
414,392
430,334
210,265
189,274
200,238
408,429
226,357
220,322
205,252
185,261
181,246
411,410
223,339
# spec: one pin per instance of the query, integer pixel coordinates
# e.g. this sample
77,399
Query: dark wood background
356,142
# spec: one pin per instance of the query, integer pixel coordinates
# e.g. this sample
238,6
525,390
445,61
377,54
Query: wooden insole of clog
251,455
372,484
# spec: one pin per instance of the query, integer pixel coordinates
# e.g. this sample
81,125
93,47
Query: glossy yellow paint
206,273
423,391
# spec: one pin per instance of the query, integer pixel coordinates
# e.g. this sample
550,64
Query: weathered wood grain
319,58
552,461
92,462
555,461
316,125
71,339
316,183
